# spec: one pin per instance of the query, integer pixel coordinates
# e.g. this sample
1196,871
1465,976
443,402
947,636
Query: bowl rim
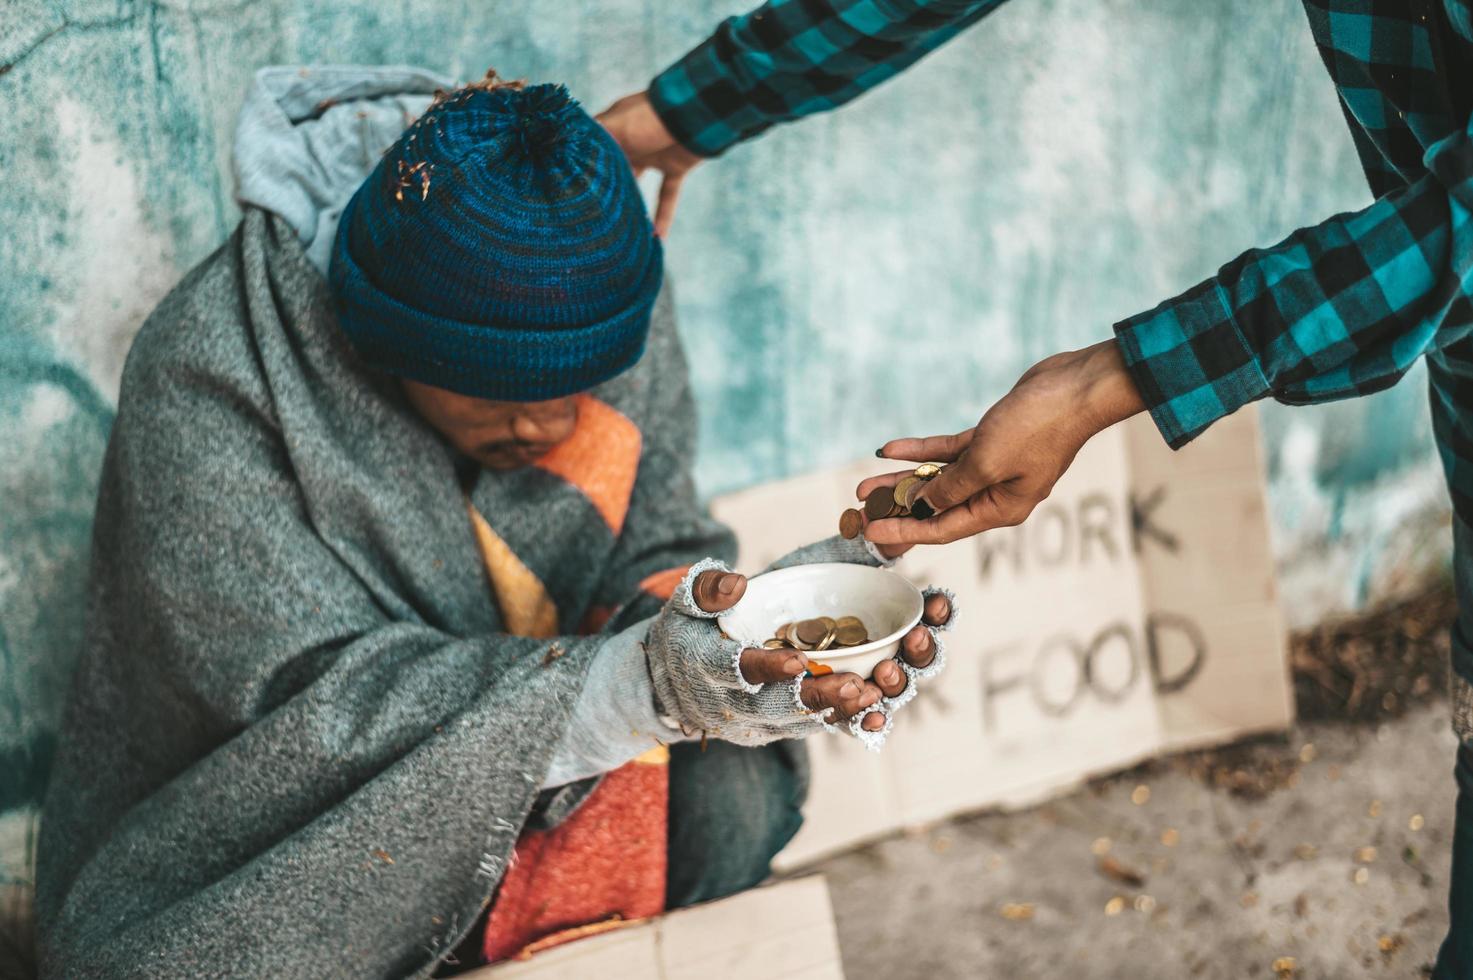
843,653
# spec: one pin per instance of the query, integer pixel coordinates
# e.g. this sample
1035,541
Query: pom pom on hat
501,249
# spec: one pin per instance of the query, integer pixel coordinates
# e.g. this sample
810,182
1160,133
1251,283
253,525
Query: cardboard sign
783,930
1133,614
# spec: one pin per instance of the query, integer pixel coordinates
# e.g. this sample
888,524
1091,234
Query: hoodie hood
308,136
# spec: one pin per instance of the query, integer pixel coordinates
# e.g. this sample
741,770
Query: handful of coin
895,501
819,633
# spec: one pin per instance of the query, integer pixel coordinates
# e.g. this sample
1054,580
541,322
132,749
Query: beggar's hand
846,694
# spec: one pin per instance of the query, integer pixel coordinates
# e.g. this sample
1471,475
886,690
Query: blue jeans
1455,961
731,810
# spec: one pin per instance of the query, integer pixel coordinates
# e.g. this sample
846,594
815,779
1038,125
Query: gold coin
773,644
905,488
928,470
843,621
829,623
879,504
809,631
827,641
852,634
851,522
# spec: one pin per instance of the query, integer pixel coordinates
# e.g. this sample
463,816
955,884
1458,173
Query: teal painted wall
889,269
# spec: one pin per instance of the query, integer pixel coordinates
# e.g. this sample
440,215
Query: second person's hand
642,135
1009,462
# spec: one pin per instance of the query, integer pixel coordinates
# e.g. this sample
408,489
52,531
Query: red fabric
662,585
606,861
600,458
596,619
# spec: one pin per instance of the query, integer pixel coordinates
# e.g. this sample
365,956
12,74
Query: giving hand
1009,462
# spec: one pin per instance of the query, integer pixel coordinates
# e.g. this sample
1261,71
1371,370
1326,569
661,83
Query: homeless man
399,572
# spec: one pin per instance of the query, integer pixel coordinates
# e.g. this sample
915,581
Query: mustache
517,447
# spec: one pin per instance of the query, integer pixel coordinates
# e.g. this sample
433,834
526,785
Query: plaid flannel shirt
1341,308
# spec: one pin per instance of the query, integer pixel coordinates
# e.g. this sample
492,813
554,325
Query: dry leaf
1114,870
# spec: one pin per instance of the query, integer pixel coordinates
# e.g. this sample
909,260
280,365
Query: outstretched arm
782,61
794,58
1339,309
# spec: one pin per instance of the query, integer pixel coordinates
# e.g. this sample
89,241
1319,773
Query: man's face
498,435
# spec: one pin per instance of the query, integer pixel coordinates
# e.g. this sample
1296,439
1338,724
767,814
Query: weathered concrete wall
885,270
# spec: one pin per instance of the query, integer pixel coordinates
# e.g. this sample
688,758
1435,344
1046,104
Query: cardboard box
781,930
1133,614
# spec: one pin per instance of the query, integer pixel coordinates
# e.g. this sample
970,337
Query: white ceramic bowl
888,605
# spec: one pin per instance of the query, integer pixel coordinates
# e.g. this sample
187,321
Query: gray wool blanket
300,743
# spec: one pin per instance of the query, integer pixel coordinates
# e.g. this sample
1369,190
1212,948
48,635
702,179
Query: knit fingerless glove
698,681
697,671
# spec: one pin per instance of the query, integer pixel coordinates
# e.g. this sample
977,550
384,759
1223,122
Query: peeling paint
126,266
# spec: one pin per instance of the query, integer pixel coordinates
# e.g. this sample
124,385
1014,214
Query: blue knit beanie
500,249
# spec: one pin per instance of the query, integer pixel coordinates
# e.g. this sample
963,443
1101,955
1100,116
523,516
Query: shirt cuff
1190,362
614,719
700,102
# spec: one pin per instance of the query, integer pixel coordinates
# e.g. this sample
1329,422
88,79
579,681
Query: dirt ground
1323,854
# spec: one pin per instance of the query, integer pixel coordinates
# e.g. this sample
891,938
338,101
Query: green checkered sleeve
1339,309
793,58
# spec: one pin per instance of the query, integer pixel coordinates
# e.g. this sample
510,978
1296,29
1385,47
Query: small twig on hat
490,83
493,81
408,174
